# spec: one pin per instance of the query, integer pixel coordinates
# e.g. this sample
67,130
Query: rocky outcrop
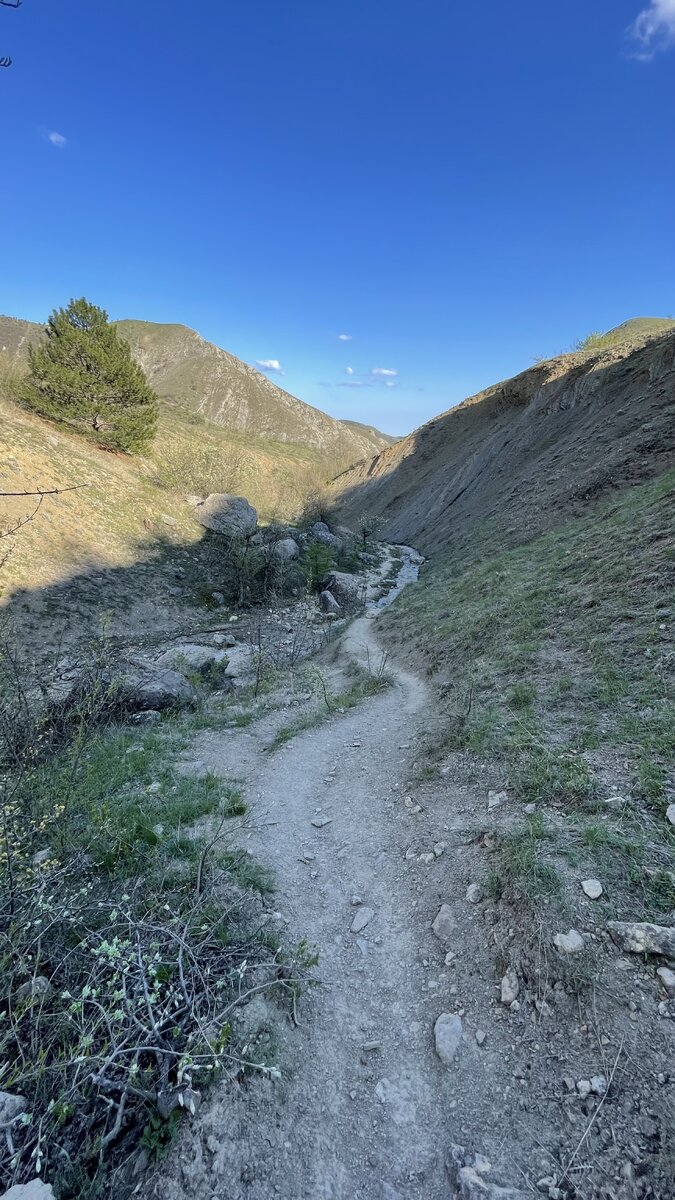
187,656
345,587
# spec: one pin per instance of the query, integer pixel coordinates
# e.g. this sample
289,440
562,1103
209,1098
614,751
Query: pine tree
84,376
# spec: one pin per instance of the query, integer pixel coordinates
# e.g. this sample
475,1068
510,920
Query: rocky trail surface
419,1038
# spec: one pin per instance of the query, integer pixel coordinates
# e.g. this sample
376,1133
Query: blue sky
454,188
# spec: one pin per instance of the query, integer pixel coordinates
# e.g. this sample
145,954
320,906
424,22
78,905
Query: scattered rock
569,943
448,1036
480,1036
355,901
510,986
363,917
427,858
444,925
321,822
218,598
42,856
592,888
474,893
231,515
439,849
599,1085
467,1178
641,937
321,533
584,1087
530,810
667,978
670,814
495,799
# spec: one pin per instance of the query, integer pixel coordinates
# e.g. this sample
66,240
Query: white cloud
391,383
358,383
653,29
383,373
344,337
57,139
349,370
271,365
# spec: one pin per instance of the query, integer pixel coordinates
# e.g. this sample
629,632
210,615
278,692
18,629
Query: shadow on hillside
522,456
167,590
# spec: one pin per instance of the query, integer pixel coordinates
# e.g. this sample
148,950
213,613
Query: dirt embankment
510,462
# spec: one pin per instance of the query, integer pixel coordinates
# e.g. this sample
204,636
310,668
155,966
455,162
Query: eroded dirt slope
524,454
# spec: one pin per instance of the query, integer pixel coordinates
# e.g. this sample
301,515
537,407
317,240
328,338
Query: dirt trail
367,1109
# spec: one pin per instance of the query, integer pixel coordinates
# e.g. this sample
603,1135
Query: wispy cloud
383,373
392,383
349,370
357,383
344,337
56,139
653,29
271,365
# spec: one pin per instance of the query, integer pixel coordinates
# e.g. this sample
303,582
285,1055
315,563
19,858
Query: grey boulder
467,1174
230,515
189,656
35,1190
154,688
286,550
328,603
345,587
321,533
641,937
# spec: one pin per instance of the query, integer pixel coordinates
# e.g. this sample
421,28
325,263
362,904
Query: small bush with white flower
129,935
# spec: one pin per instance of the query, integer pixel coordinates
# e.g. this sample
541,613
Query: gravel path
367,1107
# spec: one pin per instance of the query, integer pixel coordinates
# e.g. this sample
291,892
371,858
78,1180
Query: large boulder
286,550
321,533
35,1190
206,661
154,687
328,603
346,588
230,515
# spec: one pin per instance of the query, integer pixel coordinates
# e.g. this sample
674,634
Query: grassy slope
565,646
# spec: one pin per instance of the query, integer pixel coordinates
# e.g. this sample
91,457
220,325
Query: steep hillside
515,459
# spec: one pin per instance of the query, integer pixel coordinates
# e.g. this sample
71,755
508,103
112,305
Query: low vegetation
131,929
554,660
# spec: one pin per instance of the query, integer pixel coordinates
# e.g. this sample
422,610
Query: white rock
427,858
439,849
363,917
584,1087
598,1085
448,1037
530,809
569,943
480,1036
356,900
35,1190
444,925
495,799
474,893
670,814
667,978
510,986
592,888
11,1107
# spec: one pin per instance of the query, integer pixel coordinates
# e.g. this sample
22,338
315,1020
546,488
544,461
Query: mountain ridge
185,368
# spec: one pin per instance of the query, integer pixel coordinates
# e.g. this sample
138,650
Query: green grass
565,647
